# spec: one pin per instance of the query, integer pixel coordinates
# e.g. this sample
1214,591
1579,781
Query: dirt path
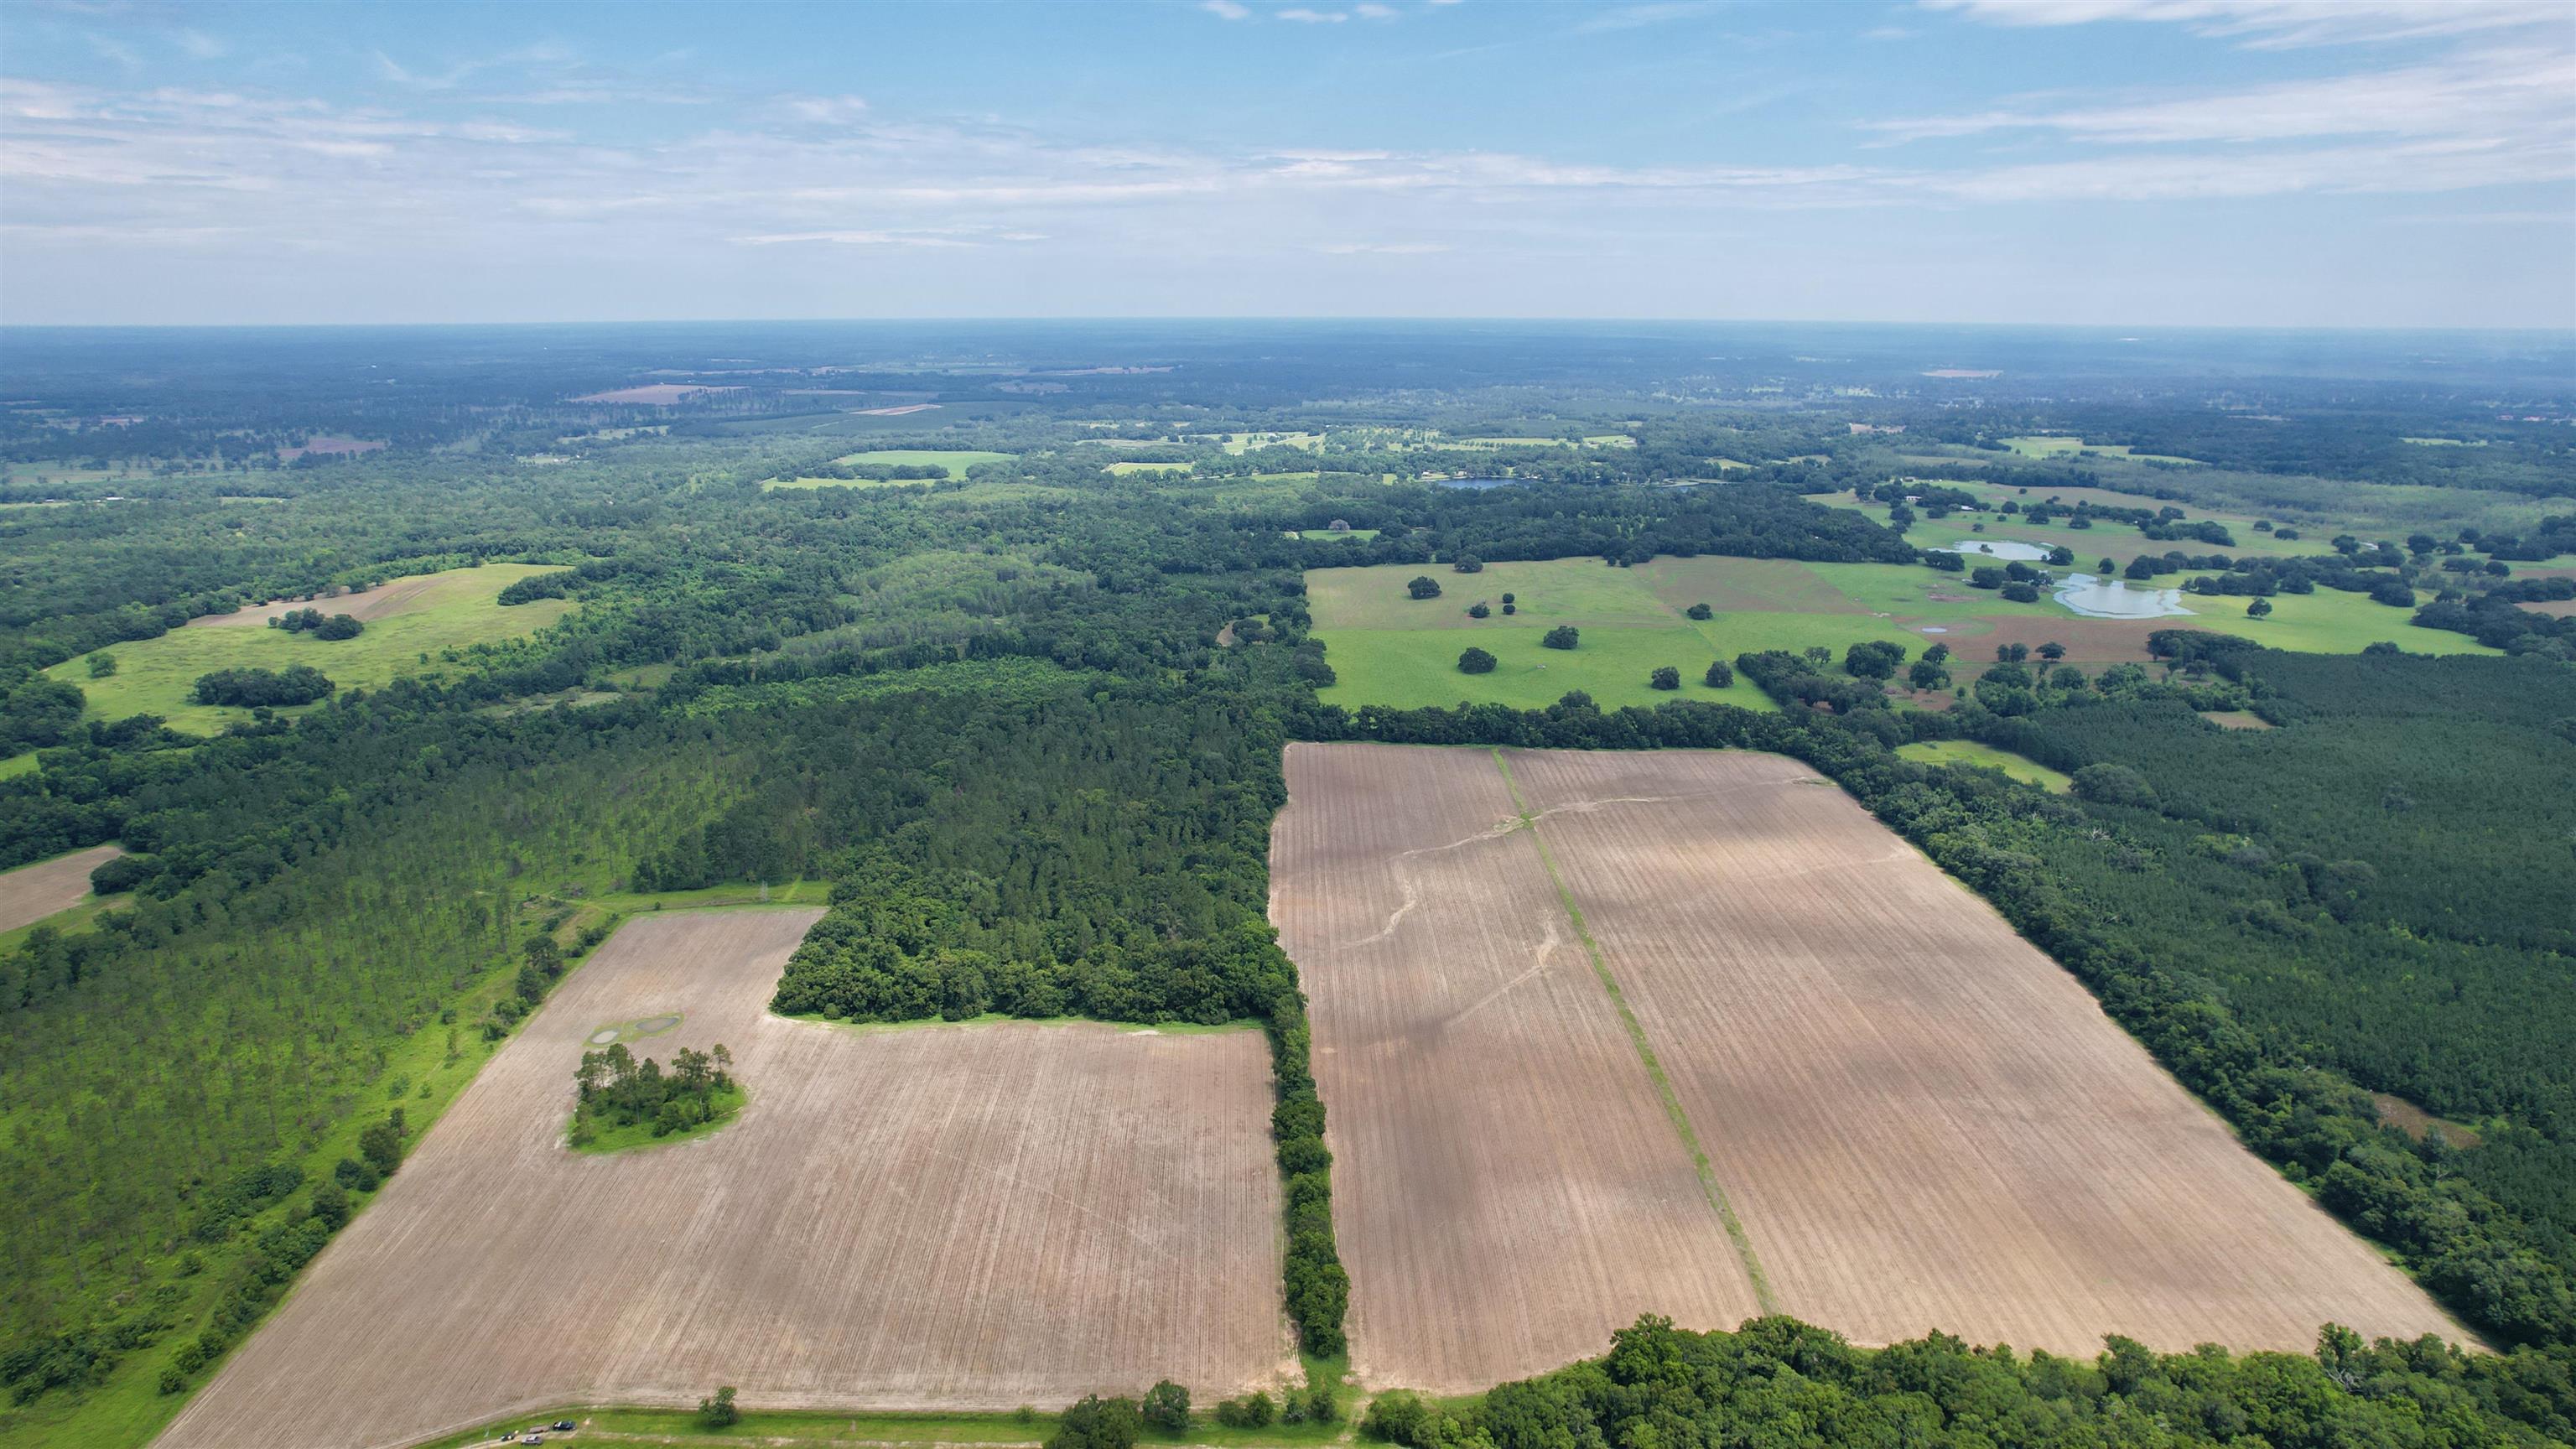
32,892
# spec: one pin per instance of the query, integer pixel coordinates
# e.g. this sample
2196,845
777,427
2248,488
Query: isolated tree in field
1718,675
102,665
2260,608
1510,608
1423,586
1475,661
1167,1407
1926,674
2011,653
1937,654
1478,610
2021,593
1468,563
1563,636
1097,1423
1665,678
381,1144
1700,611
339,626
1510,599
719,1412
1947,561
2104,568
2052,651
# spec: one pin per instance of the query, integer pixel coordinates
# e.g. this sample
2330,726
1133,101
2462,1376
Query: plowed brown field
33,892
1507,1188
1919,1120
959,1216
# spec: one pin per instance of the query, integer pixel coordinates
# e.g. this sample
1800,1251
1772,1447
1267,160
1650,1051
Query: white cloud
1370,10
1315,17
1226,9
2280,23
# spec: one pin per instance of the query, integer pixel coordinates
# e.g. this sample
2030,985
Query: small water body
1476,482
2101,598
1998,548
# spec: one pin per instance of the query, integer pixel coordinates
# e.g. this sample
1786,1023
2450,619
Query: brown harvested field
1507,1189
658,394
938,1217
32,892
366,608
1920,1120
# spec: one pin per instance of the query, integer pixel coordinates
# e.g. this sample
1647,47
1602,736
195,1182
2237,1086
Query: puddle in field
2101,598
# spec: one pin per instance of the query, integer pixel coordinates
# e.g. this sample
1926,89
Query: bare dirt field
1918,1119
936,1217
33,892
1507,1189
366,608
659,394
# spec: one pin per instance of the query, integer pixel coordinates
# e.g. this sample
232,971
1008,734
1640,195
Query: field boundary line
1708,1184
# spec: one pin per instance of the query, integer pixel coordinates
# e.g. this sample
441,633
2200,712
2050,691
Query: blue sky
2151,162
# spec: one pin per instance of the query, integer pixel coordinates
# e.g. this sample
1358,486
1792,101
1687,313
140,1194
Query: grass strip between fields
1708,1184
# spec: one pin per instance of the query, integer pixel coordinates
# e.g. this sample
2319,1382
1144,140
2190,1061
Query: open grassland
406,619
2060,446
1910,1118
32,892
1986,757
1391,649
1507,1186
969,1217
1131,468
955,461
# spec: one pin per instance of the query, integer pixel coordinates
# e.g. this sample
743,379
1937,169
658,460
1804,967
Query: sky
2340,163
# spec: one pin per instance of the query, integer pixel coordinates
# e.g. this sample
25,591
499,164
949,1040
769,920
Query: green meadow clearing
1388,648
1986,757
954,460
2059,446
453,610
1131,468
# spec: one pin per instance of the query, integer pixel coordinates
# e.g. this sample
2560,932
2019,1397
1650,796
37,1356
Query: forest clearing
1913,1118
32,892
969,1217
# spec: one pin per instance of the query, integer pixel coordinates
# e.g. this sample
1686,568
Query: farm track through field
32,892
955,1217
1907,1116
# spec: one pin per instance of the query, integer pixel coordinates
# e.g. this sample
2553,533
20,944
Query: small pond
2100,598
1999,548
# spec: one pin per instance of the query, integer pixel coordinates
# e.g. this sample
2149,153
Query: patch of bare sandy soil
936,1217
657,394
1917,1119
366,608
33,892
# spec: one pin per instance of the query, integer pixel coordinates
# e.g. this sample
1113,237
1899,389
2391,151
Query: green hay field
955,460
460,608
1390,649
1986,757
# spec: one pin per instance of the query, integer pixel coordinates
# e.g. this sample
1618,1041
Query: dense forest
1027,724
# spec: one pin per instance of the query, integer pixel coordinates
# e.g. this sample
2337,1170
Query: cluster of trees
311,620
615,1090
271,688
1776,1381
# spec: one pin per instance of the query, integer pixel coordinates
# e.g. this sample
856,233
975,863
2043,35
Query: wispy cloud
1303,16
2281,23
1226,9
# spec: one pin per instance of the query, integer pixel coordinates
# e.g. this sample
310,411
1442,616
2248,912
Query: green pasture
1411,668
19,764
2060,446
1986,757
2328,621
1358,533
954,460
458,610
1131,468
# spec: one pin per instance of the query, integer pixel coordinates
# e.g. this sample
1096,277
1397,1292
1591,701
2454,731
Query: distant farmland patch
1986,757
971,1217
952,461
405,618
331,445
655,394
1908,1117
32,892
